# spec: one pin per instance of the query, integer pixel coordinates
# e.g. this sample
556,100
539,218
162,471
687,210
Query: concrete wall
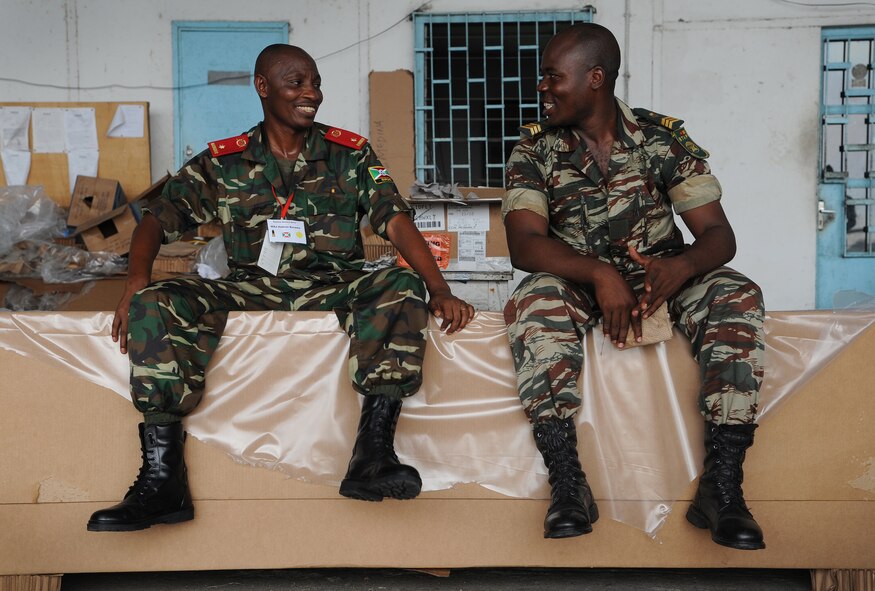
743,74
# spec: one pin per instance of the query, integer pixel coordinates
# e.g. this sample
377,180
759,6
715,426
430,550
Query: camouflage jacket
334,186
553,174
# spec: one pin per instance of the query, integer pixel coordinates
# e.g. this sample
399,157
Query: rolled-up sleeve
695,192
525,182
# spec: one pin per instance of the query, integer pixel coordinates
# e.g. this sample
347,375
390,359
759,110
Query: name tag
292,231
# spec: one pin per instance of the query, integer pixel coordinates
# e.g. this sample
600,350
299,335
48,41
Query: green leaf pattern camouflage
333,190
175,325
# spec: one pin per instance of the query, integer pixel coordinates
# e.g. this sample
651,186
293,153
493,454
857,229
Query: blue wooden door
212,74
846,196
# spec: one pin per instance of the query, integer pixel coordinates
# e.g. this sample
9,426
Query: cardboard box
392,136
392,124
494,238
111,232
93,198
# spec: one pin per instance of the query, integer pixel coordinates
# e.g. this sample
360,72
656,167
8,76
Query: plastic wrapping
212,260
640,433
26,213
19,298
65,264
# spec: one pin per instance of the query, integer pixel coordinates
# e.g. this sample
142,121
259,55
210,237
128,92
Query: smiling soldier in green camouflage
289,194
588,212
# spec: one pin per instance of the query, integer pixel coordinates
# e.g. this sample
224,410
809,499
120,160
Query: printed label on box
429,216
468,217
439,245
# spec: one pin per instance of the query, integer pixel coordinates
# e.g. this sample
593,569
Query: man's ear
597,77
260,83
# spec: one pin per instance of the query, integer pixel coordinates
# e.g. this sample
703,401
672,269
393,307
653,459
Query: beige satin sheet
278,396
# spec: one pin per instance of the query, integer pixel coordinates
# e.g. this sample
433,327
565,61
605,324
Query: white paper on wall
48,130
16,166
128,121
14,123
80,129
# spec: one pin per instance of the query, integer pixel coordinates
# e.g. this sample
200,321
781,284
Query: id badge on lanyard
279,233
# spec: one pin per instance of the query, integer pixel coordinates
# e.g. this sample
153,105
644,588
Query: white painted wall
743,74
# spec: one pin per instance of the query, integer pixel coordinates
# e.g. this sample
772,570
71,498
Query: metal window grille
847,125
475,78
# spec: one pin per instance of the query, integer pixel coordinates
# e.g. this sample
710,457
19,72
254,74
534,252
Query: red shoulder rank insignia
345,138
231,145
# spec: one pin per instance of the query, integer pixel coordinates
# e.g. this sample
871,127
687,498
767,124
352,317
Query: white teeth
548,105
306,109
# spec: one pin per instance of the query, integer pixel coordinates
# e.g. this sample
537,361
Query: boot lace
145,481
384,421
562,463
728,474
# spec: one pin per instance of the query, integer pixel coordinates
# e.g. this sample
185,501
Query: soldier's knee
406,280
536,287
741,293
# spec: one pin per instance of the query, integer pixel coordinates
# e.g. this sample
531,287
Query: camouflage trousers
174,328
720,312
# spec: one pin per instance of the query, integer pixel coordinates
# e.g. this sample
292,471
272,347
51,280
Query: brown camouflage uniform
654,167
175,325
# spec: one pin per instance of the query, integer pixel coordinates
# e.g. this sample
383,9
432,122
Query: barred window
848,131
475,78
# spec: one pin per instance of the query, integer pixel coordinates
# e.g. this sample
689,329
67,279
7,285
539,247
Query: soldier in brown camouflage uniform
321,181
588,212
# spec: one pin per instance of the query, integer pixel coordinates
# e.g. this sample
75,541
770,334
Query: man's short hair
598,45
271,53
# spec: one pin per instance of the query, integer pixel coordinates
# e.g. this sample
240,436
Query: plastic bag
26,213
212,260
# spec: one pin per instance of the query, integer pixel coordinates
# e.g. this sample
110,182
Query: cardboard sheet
640,433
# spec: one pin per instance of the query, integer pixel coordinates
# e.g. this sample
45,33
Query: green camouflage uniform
175,325
654,166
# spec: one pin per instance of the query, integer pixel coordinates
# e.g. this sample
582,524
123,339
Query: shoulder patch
694,149
676,126
531,130
230,145
345,138
380,175
663,120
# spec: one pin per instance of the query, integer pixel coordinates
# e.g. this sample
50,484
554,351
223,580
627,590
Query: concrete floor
460,580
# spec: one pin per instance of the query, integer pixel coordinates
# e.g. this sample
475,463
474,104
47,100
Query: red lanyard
288,202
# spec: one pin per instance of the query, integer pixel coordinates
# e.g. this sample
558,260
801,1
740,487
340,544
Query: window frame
426,136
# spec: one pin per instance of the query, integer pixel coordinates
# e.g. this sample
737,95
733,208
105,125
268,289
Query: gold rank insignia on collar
345,138
531,129
230,145
676,126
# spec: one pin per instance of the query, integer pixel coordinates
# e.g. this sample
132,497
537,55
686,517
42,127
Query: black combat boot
374,471
160,493
572,508
719,504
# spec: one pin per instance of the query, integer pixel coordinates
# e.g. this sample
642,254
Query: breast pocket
332,222
248,227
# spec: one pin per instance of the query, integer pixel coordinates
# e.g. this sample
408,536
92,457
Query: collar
629,133
314,147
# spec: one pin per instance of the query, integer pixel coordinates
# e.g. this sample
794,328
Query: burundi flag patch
380,174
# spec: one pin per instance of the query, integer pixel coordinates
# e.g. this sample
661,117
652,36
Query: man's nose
542,85
312,91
